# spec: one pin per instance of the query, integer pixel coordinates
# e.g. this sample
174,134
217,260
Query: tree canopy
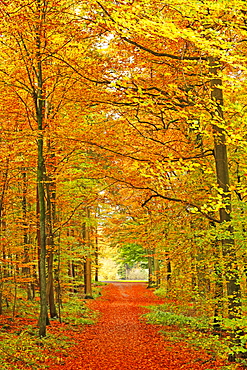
124,120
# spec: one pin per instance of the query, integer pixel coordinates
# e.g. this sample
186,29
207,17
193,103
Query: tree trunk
231,269
96,257
151,281
169,275
156,270
87,278
87,264
1,291
3,271
222,172
39,104
218,295
51,215
26,269
72,274
50,287
42,218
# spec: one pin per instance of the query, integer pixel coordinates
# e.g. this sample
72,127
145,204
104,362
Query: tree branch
188,204
158,54
176,200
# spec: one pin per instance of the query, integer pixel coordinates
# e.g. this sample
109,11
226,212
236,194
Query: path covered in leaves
122,340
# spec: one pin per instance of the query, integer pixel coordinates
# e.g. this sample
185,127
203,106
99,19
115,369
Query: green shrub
159,316
196,331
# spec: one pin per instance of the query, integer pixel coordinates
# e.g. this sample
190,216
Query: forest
124,121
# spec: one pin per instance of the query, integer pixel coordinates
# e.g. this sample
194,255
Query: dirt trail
121,340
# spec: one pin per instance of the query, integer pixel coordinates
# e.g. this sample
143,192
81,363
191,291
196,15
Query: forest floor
121,338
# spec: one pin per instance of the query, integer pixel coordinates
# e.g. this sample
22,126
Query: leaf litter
121,339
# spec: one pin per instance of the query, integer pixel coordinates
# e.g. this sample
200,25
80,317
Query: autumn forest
124,121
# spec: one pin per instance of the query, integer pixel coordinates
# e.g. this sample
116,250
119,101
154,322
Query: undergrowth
180,326
76,312
26,350
20,345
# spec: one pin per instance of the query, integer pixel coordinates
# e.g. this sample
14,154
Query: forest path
122,340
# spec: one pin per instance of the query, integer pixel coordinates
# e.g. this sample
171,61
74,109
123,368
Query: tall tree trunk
156,270
42,231
231,269
151,281
1,291
169,272
50,287
26,269
96,277
42,227
51,215
57,277
87,264
222,172
39,104
72,275
87,278
218,293
3,271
